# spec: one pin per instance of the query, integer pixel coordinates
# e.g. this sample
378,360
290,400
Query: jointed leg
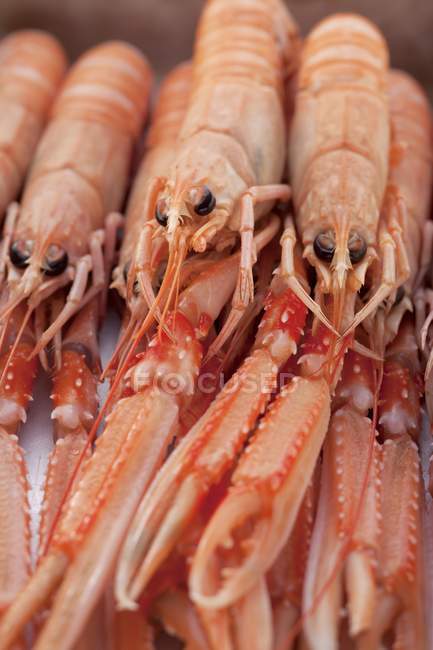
398,217
142,267
55,310
388,281
204,234
239,307
288,272
78,296
8,231
112,224
244,292
426,252
40,323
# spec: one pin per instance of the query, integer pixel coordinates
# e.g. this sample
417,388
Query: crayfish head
185,208
200,191
340,250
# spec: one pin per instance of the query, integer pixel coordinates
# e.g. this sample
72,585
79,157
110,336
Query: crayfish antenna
127,332
27,285
369,308
177,255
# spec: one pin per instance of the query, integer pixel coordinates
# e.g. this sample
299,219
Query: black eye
161,212
56,260
399,295
324,246
126,271
20,252
206,202
357,248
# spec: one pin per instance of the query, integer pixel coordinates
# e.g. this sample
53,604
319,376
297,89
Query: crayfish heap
260,478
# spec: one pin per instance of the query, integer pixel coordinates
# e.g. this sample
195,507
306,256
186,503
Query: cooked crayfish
230,160
68,193
32,65
77,180
339,145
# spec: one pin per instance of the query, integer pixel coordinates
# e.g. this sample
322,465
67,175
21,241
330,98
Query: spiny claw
47,576
62,462
285,578
267,489
127,456
74,393
14,520
178,615
75,406
16,386
252,617
202,457
399,605
11,413
175,522
346,512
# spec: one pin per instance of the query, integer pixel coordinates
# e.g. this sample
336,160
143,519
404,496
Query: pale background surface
164,30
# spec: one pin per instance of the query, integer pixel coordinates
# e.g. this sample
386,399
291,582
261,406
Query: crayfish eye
399,295
20,252
126,271
135,286
324,245
161,212
357,248
56,260
205,202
